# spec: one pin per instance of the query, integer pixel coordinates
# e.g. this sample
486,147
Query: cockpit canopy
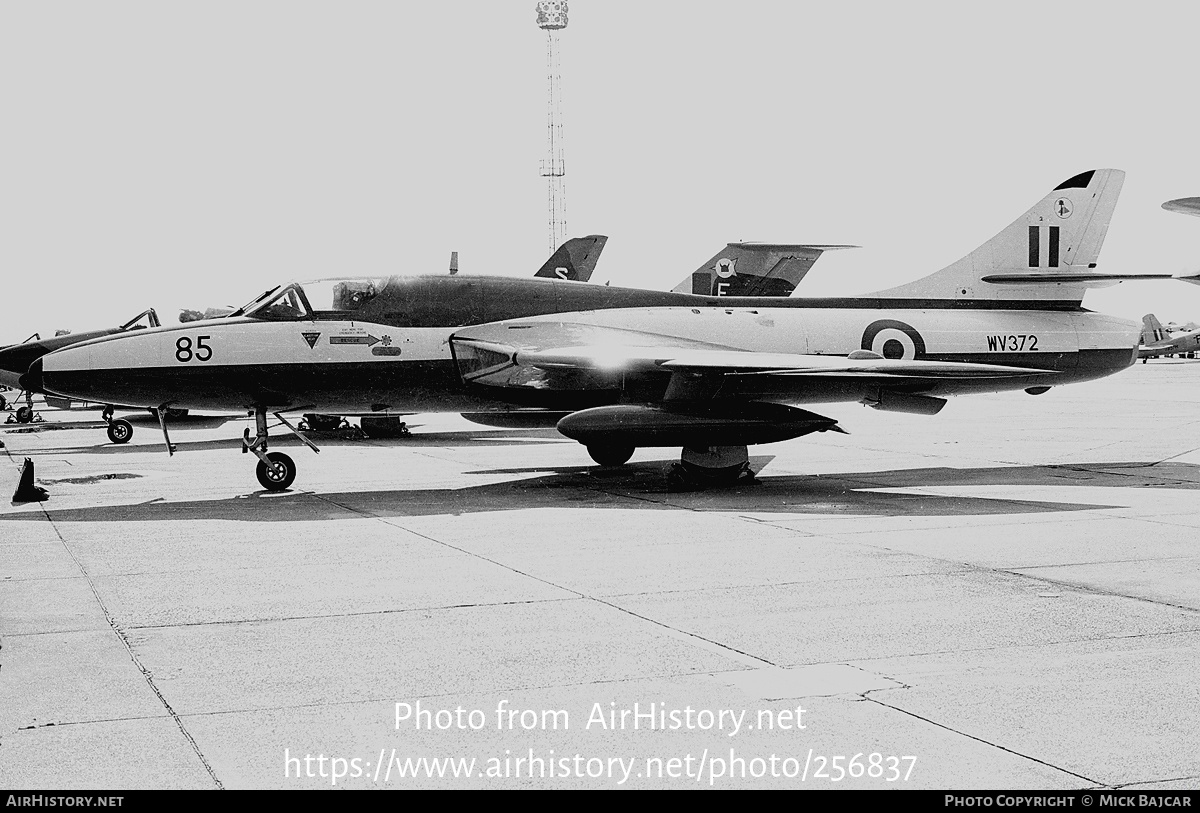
324,298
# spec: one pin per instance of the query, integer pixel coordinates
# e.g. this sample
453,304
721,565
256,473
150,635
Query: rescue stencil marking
367,340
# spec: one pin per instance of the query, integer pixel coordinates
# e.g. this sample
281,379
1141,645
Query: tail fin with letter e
753,269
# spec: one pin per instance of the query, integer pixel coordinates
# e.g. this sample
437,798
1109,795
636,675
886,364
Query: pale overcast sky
188,154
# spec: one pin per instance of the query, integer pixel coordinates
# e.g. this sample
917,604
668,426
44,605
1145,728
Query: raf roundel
893,340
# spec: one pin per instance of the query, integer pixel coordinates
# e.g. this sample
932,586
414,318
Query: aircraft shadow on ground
282,438
647,486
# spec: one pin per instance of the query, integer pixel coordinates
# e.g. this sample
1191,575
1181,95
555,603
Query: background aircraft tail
753,269
1048,253
1152,330
575,259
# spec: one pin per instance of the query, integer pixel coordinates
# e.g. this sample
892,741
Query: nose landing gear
275,471
120,430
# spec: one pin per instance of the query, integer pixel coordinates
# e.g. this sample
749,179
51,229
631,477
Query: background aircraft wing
1185,206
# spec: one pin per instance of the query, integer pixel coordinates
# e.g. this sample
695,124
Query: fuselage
1188,343
393,352
16,358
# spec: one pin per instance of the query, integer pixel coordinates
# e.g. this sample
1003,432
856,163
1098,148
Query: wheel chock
26,490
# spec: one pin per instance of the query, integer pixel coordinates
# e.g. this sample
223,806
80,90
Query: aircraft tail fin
1048,253
753,269
1152,330
575,259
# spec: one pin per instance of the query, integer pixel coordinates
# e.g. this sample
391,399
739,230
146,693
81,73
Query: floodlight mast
552,18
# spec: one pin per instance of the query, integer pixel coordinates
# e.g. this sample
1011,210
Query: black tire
611,454
3,402
24,415
120,431
279,475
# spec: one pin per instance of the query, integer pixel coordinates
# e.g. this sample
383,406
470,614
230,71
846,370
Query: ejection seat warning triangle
311,338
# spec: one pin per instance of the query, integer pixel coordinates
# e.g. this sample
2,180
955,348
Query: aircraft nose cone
32,379
16,359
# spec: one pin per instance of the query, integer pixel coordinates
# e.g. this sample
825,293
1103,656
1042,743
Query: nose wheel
276,472
120,430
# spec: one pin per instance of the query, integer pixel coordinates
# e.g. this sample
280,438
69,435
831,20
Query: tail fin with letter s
575,259
753,269
1048,253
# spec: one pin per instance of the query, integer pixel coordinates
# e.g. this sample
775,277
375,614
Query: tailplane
575,259
1048,253
753,269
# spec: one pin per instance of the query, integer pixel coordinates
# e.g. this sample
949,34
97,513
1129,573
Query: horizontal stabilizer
1082,279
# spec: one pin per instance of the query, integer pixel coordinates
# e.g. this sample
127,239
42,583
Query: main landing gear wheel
277,476
120,431
24,414
702,467
611,454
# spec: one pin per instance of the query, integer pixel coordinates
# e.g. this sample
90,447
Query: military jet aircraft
1173,339
619,368
575,259
1160,341
16,358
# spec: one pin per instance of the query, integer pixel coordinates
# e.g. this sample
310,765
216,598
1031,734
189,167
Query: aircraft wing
550,356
